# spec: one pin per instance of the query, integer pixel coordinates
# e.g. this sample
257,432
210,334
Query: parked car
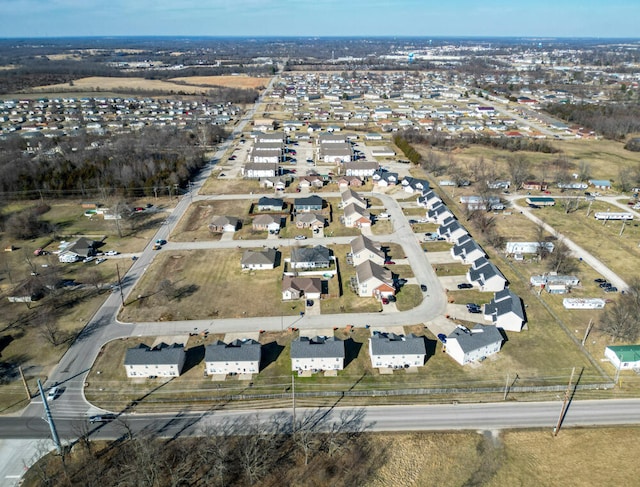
423,288
611,289
299,237
392,299
389,262
599,280
465,285
442,337
309,302
385,300
161,241
605,284
102,418
111,252
100,260
89,259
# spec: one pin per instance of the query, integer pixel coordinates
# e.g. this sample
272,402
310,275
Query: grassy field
188,85
231,186
194,224
197,276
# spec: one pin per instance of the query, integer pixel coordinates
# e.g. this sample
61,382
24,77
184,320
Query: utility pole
293,397
622,228
586,333
567,395
120,285
506,388
49,419
24,382
589,208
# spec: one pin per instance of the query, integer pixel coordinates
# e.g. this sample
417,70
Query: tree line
133,164
614,121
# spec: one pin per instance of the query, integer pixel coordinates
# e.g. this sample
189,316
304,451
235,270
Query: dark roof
479,337
237,351
315,254
163,354
504,302
308,201
266,201
317,347
485,272
392,344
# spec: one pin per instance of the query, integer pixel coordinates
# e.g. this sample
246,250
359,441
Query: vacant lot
194,225
240,81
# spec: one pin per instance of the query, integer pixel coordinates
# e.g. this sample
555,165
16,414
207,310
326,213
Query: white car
111,252
100,260
53,393
89,259
299,237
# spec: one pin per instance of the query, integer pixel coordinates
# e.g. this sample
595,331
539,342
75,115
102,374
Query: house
236,357
505,310
384,179
388,350
451,230
465,346
535,186
362,169
307,204
310,220
623,357
265,155
373,280
540,201
276,183
270,204
438,214
584,303
259,259
27,292
476,203
318,257
350,196
310,181
270,223
335,153
317,354
224,224
356,217
346,181
161,361
527,247
301,287
554,283
467,250
484,274
256,170
428,199
363,249
414,185
81,249
382,151
331,138
600,183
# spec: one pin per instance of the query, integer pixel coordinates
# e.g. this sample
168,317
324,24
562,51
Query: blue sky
559,18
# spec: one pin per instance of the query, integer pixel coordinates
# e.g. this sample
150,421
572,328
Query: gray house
310,258
388,350
236,357
317,353
161,361
310,203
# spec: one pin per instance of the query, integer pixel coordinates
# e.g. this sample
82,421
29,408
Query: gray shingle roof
504,302
317,347
479,337
236,351
392,344
163,354
363,243
255,257
317,254
308,201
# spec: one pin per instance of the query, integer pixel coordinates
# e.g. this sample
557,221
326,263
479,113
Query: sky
424,18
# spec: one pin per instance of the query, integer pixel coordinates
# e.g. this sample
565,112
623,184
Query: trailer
610,215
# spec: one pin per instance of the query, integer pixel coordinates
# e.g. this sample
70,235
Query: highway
442,417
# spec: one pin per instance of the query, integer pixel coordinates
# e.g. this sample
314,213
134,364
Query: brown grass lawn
194,224
382,227
213,185
408,297
187,85
453,269
212,285
620,253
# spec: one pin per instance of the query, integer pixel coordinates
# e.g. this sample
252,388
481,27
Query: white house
505,310
388,350
451,230
317,354
318,257
465,346
259,259
527,247
362,169
161,361
485,275
583,303
349,196
257,170
236,357
429,199
363,249
355,216
270,223
438,214
623,357
301,287
467,250
374,280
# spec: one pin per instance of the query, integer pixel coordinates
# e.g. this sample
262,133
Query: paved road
377,418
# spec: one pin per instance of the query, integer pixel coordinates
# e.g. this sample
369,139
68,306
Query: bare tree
561,260
542,250
621,319
584,171
518,170
167,289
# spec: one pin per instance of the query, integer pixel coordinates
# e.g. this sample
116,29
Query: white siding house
466,346
317,354
237,357
388,350
162,361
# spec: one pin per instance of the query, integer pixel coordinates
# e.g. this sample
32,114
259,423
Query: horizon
320,18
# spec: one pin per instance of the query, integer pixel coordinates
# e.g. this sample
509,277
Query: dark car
611,289
605,284
423,288
465,285
473,305
392,299
309,302
102,418
442,337
599,280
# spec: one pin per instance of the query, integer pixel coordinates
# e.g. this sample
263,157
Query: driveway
441,258
451,282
